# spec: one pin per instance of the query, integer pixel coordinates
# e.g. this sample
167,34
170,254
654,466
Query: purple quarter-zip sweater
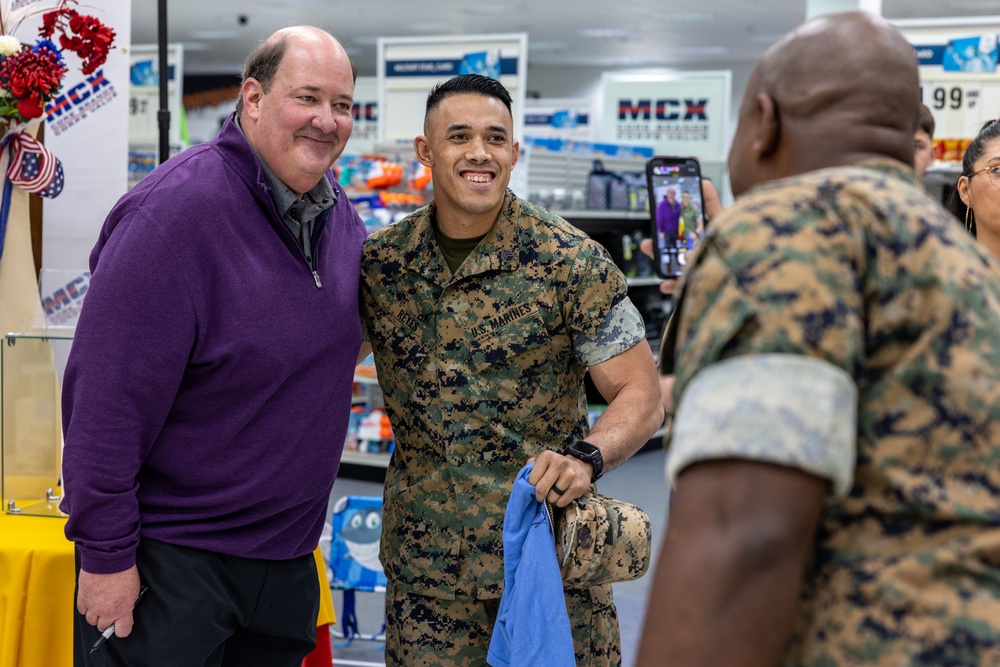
208,389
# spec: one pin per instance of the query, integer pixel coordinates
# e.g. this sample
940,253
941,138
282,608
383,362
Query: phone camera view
676,210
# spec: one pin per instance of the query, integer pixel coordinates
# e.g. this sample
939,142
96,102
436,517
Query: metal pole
163,115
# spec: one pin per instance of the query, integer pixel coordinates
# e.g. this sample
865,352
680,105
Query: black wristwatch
588,453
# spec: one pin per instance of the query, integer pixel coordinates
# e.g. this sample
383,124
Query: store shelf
602,222
365,459
648,281
365,379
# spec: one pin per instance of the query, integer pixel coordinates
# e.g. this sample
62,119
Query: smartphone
676,211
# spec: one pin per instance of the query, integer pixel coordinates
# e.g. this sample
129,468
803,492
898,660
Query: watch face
585,448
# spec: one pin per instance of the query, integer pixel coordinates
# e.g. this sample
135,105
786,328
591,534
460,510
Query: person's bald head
263,62
839,89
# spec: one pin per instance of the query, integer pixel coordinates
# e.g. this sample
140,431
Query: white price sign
144,94
143,103
960,106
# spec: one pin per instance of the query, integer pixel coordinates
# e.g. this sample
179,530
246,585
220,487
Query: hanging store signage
409,67
959,81
684,114
557,119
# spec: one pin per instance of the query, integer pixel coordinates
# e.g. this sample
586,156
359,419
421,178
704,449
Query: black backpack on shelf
606,190
611,191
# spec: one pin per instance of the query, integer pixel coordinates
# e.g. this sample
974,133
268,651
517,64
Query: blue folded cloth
532,625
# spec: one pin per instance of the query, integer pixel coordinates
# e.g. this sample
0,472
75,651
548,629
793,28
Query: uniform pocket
516,371
399,353
594,623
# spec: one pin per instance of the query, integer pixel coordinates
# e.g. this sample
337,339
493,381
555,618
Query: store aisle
639,481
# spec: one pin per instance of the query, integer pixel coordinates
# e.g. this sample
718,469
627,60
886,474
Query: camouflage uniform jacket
689,219
858,268
480,370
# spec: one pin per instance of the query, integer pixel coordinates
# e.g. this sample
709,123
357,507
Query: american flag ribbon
33,167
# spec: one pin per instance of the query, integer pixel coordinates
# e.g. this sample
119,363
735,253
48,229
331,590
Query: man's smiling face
469,147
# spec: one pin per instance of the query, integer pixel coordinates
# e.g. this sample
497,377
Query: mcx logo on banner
62,295
365,120
76,102
666,119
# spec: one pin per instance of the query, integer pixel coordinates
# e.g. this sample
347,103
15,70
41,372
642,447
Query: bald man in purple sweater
207,393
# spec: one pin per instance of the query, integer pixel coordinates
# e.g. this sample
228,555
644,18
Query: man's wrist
587,453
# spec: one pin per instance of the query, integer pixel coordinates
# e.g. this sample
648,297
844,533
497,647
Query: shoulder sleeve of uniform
596,286
620,330
784,409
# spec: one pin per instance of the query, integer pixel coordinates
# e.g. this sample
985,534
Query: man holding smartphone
484,313
835,348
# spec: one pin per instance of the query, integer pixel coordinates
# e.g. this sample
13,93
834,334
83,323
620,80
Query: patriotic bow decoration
33,168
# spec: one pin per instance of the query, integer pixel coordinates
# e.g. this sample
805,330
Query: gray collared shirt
299,215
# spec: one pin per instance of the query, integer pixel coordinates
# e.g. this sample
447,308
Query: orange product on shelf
952,150
385,428
400,199
384,174
421,177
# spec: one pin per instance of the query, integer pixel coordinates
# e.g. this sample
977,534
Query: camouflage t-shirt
852,282
481,370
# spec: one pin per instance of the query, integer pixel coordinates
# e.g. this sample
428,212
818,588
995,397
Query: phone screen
676,206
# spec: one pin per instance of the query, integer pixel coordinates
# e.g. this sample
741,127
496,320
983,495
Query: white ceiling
571,33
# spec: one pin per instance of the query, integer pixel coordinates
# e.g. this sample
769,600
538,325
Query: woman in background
976,199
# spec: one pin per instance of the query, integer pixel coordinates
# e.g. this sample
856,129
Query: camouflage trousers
425,631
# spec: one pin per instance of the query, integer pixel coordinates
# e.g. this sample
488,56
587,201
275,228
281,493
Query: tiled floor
640,480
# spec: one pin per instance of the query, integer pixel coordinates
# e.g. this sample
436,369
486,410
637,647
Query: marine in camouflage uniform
858,284
690,216
482,370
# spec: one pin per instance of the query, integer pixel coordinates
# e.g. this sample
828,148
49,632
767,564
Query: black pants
205,609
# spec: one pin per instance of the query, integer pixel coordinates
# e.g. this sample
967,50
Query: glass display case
30,421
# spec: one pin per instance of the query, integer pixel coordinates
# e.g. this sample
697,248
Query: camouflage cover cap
600,540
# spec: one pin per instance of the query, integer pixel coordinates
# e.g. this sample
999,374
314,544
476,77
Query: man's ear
252,93
768,126
517,154
422,148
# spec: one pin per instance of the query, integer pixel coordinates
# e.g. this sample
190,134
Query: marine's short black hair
475,84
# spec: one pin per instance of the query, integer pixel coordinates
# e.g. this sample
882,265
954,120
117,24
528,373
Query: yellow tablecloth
36,592
326,616
37,579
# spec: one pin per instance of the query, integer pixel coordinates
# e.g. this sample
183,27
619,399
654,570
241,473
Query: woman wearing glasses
976,199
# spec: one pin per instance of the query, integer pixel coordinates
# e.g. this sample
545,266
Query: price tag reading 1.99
961,106
951,97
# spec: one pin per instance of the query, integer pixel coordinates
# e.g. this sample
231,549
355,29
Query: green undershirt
455,250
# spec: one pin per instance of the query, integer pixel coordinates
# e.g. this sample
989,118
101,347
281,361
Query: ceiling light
978,5
945,22
488,10
551,47
691,17
214,34
697,50
606,33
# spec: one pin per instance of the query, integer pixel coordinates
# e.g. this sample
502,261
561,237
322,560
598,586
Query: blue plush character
357,529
